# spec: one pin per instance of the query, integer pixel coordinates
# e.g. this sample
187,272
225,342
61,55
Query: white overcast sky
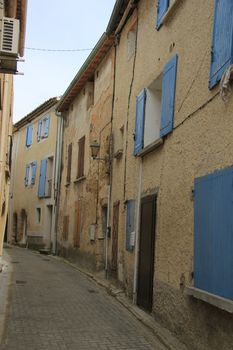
56,24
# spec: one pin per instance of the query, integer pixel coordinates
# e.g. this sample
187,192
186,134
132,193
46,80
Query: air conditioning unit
9,36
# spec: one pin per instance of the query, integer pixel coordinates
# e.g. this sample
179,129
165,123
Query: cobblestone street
53,306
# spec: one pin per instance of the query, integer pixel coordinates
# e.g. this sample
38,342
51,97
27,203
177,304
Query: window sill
170,11
79,179
219,302
150,147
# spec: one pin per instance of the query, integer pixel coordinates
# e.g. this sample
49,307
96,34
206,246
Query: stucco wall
200,143
26,198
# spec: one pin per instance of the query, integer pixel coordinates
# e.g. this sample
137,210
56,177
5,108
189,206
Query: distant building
12,35
32,190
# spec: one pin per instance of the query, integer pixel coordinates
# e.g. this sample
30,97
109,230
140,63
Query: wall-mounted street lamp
95,147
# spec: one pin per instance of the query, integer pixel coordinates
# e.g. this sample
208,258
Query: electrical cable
55,50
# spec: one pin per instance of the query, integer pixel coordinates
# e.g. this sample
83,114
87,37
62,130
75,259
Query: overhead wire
55,50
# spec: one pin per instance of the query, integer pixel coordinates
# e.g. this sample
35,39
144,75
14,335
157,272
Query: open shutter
39,130
222,40
81,153
69,160
26,175
33,173
46,127
42,181
162,7
29,135
139,121
130,205
213,233
168,96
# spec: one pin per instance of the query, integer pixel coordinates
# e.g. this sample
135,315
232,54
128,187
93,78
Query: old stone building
32,207
12,24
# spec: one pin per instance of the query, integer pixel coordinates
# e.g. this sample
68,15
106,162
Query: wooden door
115,235
146,253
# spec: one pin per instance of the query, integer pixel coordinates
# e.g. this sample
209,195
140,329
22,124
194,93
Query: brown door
146,253
115,235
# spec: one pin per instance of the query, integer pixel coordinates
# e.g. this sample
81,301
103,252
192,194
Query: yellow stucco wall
26,198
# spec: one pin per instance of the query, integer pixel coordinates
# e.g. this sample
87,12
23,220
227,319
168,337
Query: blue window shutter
222,40
139,121
213,233
168,96
130,205
29,135
39,130
162,6
42,181
33,173
26,175
46,127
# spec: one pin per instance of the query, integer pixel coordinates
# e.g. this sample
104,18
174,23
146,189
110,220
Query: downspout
137,233
58,162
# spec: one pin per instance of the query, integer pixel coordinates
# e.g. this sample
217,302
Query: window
38,215
65,232
29,134
46,175
155,108
222,42
81,154
69,160
213,234
43,129
131,42
130,230
162,9
30,175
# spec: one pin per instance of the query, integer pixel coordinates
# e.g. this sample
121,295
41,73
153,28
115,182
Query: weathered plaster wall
200,143
26,198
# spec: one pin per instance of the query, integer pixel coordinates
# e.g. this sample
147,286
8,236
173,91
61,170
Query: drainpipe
137,233
58,161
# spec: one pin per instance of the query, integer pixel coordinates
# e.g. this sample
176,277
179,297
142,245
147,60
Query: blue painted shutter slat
39,130
46,128
130,205
42,181
222,40
33,173
162,7
26,175
139,121
213,233
29,135
168,96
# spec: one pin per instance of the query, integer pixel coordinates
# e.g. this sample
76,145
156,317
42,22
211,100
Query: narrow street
53,306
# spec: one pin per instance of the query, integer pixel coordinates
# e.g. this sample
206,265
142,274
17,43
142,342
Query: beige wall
200,143
26,198
90,192
6,89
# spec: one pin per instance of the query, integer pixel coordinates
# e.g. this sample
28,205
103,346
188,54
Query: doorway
115,236
146,253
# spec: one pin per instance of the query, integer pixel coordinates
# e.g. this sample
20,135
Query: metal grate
8,33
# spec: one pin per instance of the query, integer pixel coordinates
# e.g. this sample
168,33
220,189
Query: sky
56,24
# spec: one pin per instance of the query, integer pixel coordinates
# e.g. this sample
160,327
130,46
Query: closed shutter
29,135
168,96
42,181
139,121
81,154
162,6
213,233
39,130
26,175
130,205
33,179
65,233
69,160
46,127
222,40
77,232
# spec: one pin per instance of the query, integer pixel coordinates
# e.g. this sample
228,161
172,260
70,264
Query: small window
29,134
131,42
30,175
81,156
155,109
38,215
69,160
43,128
